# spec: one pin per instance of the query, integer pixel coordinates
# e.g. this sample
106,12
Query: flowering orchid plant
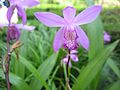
70,35
13,32
37,56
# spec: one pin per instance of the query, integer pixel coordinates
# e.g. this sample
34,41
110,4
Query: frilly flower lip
70,35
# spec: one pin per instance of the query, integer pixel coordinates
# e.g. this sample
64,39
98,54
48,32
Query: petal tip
69,7
55,50
98,7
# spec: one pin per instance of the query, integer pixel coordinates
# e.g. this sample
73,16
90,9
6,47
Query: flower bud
13,33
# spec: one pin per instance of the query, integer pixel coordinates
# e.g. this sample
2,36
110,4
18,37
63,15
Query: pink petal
74,57
65,60
28,3
50,19
69,13
3,25
88,15
25,27
10,12
73,51
82,38
58,40
22,14
13,2
107,37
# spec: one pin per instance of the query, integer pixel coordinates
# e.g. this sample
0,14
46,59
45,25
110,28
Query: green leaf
18,82
114,86
88,74
113,66
31,68
45,70
95,34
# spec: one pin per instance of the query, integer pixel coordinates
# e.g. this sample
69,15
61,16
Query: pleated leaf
44,69
88,74
15,80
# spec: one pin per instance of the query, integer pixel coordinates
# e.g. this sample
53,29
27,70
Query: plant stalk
67,67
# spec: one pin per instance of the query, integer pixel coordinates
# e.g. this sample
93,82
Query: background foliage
38,67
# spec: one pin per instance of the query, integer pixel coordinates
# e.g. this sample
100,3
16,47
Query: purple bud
13,33
107,37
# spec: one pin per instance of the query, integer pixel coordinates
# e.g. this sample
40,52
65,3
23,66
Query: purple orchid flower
13,31
73,57
107,37
70,34
20,5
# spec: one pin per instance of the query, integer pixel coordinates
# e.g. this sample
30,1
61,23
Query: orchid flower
20,5
70,35
73,57
107,37
13,31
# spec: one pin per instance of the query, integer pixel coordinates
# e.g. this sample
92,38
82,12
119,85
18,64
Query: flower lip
70,39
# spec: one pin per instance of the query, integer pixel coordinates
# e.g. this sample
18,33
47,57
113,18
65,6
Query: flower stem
67,67
7,76
68,63
7,63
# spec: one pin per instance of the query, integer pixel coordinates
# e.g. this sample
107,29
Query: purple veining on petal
70,39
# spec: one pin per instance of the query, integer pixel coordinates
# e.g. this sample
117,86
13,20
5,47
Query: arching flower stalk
70,35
